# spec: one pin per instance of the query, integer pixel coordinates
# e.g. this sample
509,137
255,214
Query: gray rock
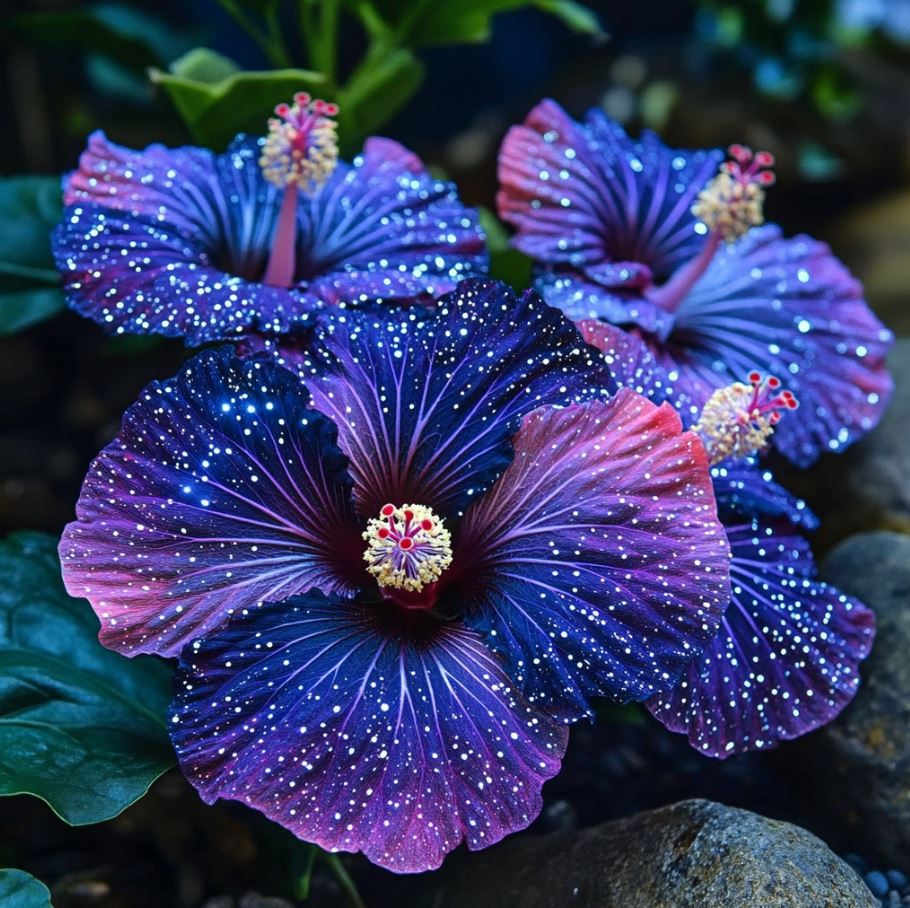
248,900
695,854
872,478
861,762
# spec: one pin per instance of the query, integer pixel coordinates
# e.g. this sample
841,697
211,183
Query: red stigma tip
755,377
330,109
764,159
742,154
773,382
387,510
408,515
426,524
405,543
766,178
302,98
282,110
382,533
775,417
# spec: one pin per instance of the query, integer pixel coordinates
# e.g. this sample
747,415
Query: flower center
738,420
408,549
733,201
301,148
300,153
728,207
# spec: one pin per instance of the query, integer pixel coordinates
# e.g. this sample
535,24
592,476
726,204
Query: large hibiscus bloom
393,589
187,243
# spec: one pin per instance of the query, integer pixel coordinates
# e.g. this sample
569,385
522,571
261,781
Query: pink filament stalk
280,269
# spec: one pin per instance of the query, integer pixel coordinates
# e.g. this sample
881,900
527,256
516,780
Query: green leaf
19,889
81,727
574,16
425,22
216,111
204,65
376,91
506,263
28,307
30,207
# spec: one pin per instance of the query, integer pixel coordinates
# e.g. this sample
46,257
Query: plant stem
278,54
237,14
307,23
327,61
344,880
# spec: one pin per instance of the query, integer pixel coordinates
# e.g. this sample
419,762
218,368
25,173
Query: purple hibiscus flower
393,587
187,243
658,241
786,658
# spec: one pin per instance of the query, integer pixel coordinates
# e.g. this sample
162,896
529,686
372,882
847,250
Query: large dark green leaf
81,727
216,104
29,283
19,889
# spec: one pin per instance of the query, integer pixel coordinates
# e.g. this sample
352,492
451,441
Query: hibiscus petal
633,366
384,228
742,488
586,194
220,490
134,276
602,564
786,660
177,186
361,735
580,299
172,241
426,404
788,307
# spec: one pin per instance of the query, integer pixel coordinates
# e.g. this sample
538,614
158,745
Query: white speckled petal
221,490
360,735
602,563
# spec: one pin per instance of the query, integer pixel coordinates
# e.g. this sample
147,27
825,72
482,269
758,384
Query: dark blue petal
745,489
426,404
362,734
787,658
134,275
596,563
221,490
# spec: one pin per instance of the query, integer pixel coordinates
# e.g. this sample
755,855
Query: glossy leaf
216,111
81,727
30,206
19,889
